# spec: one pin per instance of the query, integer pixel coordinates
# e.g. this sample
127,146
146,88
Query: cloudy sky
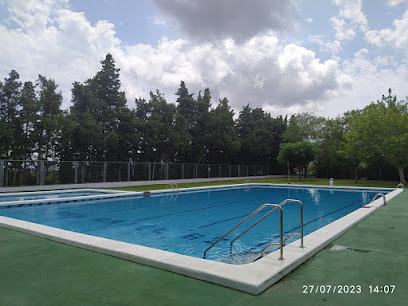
285,56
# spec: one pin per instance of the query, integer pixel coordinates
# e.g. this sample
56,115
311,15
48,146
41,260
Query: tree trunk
356,174
305,172
401,175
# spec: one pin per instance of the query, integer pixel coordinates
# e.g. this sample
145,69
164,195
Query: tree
298,154
304,127
260,136
47,128
201,128
186,122
156,123
99,108
382,128
29,115
331,162
9,108
187,106
222,140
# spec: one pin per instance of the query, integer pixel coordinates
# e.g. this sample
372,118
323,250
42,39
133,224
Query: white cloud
263,71
396,37
397,2
317,39
350,19
369,82
334,47
342,29
51,40
259,71
352,10
240,20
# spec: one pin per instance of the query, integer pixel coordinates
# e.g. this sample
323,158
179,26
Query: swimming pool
189,222
151,228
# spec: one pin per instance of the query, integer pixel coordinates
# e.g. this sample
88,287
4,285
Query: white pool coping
251,278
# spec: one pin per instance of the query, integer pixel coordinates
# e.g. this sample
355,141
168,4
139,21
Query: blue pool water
44,195
189,222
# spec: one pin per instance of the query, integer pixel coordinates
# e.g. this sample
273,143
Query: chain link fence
44,172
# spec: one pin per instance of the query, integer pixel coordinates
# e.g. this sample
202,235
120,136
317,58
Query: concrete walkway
35,271
130,183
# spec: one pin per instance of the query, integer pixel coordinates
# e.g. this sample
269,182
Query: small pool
38,196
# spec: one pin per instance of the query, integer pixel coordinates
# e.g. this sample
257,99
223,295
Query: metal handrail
402,185
381,195
282,243
249,185
293,234
173,186
246,219
268,213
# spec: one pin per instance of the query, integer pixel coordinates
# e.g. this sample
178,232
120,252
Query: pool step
242,258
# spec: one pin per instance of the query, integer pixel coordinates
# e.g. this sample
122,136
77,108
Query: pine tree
99,108
9,111
223,143
48,126
30,107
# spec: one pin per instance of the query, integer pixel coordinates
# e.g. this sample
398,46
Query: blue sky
286,56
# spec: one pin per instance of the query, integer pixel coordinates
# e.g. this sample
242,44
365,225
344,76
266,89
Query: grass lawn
293,180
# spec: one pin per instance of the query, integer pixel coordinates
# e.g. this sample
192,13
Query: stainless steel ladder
248,185
401,185
282,242
381,195
173,186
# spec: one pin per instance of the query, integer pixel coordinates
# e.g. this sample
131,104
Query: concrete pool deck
36,271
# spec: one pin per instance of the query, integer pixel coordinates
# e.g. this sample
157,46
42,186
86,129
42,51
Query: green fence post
1,173
42,174
105,168
128,168
76,164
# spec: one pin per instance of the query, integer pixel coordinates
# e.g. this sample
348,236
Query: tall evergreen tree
187,106
30,108
47,129
199,144
99,108
222,139
156,123
9,111
260,136
186,120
